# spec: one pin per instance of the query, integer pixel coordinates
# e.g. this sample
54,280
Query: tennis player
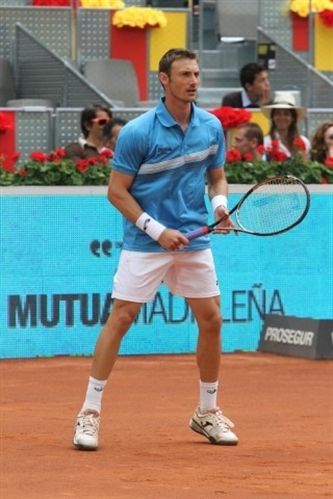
161,163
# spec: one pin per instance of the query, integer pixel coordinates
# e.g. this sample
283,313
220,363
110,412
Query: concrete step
219,78
220,58
210,97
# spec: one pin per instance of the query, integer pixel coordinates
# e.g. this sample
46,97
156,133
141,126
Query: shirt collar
83,143
245,99
168,121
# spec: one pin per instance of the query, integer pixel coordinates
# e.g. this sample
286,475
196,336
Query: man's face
260,85
243,144
183,81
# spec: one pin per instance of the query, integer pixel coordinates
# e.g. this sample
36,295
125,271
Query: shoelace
90,424
220,418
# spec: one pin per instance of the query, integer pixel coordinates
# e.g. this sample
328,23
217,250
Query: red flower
92,161
60,153
299,143
329,162
261,149
233,156
279,156
248,156
38,156
324,180
51,157
230,117
106,153
16,156
327,17
22,172
81,165
3,166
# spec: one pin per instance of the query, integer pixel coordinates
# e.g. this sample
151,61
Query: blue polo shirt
169,167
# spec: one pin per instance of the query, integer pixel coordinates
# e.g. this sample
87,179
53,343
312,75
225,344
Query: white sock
94,394
208,395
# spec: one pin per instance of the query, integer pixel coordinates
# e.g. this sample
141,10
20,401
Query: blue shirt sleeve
131,149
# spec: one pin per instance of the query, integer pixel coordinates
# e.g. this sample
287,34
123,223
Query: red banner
7,138
300,33
131,44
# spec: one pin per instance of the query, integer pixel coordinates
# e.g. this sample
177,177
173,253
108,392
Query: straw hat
284,100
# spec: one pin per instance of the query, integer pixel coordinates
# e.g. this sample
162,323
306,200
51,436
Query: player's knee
124,320
216,322
213,323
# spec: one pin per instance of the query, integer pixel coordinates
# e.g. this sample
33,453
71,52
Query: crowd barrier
59,251
46,129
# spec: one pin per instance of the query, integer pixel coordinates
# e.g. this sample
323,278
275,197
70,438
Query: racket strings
273,206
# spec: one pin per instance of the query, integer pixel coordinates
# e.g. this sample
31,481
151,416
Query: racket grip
197,233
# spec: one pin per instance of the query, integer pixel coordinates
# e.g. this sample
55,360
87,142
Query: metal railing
41,73
293,73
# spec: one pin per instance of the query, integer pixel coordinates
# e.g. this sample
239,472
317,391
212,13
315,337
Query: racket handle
197,233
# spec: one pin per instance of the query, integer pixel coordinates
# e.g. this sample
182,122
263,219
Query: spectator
284,138
256,88
93,119
322,143
111,131
248,138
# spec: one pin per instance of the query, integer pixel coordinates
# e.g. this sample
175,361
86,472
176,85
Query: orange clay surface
282,408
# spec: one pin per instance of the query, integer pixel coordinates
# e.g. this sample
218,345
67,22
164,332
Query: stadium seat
116,78
29,103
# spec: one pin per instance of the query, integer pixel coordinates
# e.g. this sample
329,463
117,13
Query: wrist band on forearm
150,226
219,200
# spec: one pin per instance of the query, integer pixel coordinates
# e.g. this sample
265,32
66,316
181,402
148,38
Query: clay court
282,407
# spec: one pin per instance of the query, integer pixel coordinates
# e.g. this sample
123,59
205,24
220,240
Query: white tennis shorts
188,273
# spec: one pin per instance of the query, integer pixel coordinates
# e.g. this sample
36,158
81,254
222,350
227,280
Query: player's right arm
119,195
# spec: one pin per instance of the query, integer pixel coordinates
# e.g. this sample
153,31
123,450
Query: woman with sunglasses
92,142
322,142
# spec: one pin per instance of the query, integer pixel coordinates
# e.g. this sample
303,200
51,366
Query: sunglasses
100,121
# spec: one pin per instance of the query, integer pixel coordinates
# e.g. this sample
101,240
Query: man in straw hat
284,115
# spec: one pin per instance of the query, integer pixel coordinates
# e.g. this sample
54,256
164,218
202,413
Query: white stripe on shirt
171,164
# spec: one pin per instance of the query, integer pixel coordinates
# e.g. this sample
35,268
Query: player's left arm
218,194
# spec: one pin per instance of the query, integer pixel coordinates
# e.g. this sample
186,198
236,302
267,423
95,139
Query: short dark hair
174,55
249,72
89,113
107,129
253,131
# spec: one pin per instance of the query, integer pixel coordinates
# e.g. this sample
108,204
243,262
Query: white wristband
150,226
219,200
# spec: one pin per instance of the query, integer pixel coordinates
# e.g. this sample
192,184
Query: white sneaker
214,426
86,430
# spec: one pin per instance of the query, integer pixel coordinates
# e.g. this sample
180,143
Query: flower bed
54,169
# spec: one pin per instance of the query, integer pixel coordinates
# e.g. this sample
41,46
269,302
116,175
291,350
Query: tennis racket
274,206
